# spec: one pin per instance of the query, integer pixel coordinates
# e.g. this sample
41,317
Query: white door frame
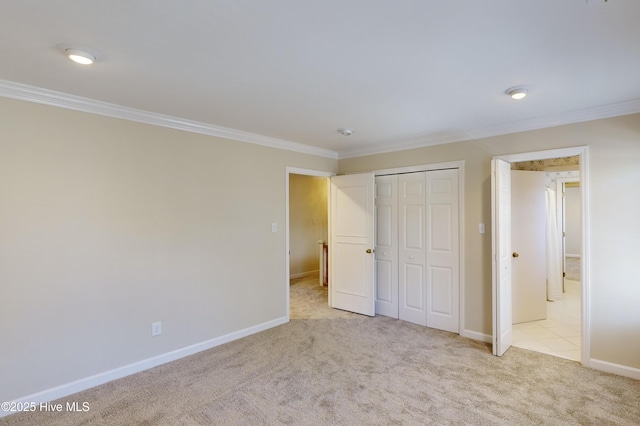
583,153
296,171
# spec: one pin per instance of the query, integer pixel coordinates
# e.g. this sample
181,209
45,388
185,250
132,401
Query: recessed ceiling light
346,132
78,53
80,56
517,93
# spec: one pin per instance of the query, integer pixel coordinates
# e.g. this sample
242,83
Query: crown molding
23,92
587,114
39,95
420,142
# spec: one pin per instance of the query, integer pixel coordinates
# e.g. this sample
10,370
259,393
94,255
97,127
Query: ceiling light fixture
345,132
78,54
517,93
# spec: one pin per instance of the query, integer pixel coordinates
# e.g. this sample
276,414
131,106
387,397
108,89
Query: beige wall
307,221
108,225
573,239
614,152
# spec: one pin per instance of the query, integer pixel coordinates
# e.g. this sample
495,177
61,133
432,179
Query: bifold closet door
443,250
411,248
417,248
387,246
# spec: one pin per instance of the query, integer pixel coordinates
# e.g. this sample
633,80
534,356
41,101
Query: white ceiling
400,73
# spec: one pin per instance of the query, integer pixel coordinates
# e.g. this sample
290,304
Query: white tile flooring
559,334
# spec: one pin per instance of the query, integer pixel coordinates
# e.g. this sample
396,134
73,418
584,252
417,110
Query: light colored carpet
332,367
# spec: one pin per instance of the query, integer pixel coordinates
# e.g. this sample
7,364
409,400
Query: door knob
368,250
515,254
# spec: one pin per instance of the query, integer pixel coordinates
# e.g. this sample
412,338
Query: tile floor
559,334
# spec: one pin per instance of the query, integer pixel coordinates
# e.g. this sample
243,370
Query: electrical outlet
274,227
481,228
156,328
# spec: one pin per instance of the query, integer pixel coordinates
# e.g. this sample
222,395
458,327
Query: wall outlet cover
156,328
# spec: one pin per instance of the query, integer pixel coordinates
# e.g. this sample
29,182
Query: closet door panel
442,250
386,252
411,255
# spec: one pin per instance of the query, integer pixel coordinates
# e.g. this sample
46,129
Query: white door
387,245
411,251
351,261
417,252
442,250
529,245
501,253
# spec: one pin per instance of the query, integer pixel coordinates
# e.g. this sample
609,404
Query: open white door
501,253
529,244
351,259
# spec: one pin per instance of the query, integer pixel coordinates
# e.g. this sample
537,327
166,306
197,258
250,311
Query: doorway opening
307,228
547,321
503,329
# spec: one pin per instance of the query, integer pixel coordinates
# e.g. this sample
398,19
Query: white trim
23,92
585,343
587,114
420,168
304,274
583,152
474,335
462,237
609,367
38,95
287,265
543,155
308,172
127,370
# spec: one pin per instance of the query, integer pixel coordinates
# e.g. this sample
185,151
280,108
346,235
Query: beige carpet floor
329,367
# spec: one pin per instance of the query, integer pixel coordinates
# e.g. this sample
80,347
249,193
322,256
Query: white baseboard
474,335
127,370
304,274
596,364
609,367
